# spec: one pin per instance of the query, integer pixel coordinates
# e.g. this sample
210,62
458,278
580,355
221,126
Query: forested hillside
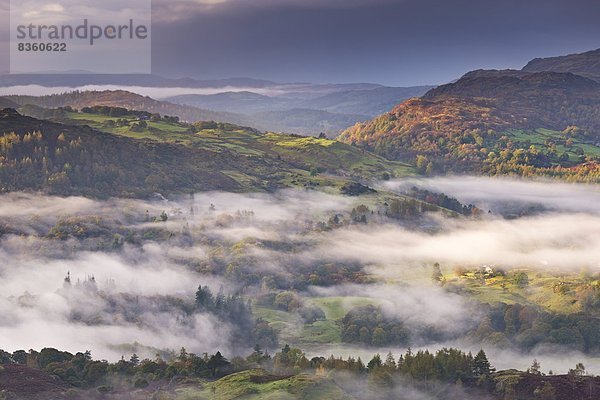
136,154
495,122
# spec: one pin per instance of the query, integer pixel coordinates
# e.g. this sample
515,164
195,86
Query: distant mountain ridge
132,101
264,113
514,85
585,64
146,80
310,122
360,101
260,103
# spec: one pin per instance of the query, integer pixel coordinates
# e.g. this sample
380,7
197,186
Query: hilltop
495,122
585,64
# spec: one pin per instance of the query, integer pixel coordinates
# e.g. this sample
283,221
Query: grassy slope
539,137
542,290
293,331
304,151
327,153
241,386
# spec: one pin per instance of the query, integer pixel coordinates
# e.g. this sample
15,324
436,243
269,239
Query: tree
134,359
422,162
164,216
257,356
20,357
204,298
390,362
364,336
286,301
374,363
220,300
379,337
521,279
183,354
578,371
429,169
481,365
216,362
436,275
535,368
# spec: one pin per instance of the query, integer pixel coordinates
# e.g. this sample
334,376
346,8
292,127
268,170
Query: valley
247,239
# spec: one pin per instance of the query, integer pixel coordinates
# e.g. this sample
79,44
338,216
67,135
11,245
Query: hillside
495,122
585,64
370,101
133,160
6,103
125,99
259,384
304,120
244,102
539,100
80,160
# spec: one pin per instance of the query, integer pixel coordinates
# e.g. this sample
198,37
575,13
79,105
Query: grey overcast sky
393,42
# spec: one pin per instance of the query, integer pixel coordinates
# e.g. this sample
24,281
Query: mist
144,284
564,242
416,305
154,92
495,193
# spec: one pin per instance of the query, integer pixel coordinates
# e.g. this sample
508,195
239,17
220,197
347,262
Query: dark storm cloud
402,42
171,10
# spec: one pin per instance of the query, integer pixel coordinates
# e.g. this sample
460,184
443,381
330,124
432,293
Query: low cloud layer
567,242
138,277
416,306
163,263
495,193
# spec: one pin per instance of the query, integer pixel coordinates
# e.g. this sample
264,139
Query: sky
392,42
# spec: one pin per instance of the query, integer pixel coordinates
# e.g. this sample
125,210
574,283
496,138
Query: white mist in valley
397,257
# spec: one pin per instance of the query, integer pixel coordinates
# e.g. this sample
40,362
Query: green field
556,293
293,331
539,138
